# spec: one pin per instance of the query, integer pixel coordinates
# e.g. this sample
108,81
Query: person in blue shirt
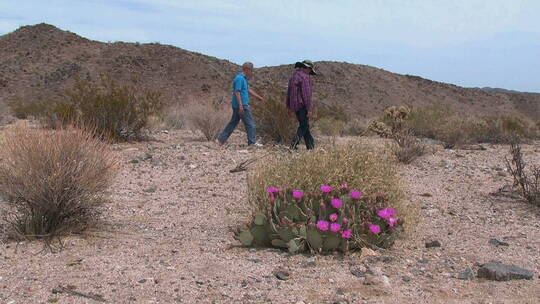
240,106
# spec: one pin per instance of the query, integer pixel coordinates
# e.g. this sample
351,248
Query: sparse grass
360,166
53,180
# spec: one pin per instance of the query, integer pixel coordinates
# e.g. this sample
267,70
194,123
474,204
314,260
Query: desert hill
40,61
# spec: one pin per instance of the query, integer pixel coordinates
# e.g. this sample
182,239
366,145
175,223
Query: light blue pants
249,123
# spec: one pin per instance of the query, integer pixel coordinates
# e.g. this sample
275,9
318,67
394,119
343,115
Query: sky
471,43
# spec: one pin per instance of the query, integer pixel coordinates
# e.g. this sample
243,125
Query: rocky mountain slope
41,61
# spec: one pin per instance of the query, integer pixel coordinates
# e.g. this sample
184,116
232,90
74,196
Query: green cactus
246,238
260,220
287,234
314,239
279,243
331,243
260,235
296,245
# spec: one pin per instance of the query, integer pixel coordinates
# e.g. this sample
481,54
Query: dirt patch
166,237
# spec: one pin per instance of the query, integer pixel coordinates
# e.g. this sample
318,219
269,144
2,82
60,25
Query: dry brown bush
209,118
527,181
406,146
273,119
53,180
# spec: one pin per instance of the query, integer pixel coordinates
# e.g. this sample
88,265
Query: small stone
199,282
502,272
282,275
151,189
467,274
433,244
142,281
498,243
134,161
358,273
406,279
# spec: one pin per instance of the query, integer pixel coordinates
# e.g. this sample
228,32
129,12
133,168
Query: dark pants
303,130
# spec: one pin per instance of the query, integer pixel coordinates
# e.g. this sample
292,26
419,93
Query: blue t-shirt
240,84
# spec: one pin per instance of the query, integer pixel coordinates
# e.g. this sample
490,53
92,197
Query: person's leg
249,123
301,115
229,128
308,139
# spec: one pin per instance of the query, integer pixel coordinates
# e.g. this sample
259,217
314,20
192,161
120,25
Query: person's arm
252,92
306,94
240,104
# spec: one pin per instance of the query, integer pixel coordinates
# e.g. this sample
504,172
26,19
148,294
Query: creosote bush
358,166
528,181
406,147
119,112
53,180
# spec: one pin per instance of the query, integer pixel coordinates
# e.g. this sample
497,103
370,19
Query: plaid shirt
299,91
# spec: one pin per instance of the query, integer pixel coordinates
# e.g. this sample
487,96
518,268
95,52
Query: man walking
299,101
240,106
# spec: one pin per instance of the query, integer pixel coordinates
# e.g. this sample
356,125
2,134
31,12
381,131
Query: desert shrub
359,166
528,181
406,147
274,121
427,121
208,118
118,111
53,180
330,126
355,128
174,117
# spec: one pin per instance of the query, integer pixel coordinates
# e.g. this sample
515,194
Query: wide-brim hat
306,64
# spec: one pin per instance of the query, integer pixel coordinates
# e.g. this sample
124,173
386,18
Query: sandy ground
166,237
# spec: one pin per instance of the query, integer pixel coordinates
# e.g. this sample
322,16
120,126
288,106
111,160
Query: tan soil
166,237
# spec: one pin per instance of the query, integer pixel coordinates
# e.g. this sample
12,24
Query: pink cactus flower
272,190
356,194
326,188
336,203
387,213
344,220
392,222
346,234
375,229
335,227
333,217
297,194
323,225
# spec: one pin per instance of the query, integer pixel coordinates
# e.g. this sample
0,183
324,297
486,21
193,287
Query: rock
467,274
433,244
377,280
134,161
375,270
497,243
282,275
366,252
142,281
406,278
502,272
151,189
359,273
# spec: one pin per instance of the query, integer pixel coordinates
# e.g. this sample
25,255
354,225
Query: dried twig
243,165
62,289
